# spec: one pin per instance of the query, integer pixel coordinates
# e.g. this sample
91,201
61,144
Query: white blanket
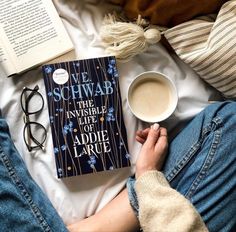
78,197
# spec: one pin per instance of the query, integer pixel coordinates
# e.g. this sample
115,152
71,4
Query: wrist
142,171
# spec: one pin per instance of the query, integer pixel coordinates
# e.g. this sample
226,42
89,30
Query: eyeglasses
32,103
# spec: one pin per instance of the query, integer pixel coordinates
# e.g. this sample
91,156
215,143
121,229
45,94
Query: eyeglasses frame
27,121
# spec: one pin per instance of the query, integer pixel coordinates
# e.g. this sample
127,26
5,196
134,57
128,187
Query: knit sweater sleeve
162,208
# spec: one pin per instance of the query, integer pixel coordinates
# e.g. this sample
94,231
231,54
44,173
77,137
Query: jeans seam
194,148
186,158
206,165
23,191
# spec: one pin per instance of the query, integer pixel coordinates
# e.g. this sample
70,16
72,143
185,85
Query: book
31,34
85,113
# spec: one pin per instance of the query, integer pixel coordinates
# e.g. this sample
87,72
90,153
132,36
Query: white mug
152,97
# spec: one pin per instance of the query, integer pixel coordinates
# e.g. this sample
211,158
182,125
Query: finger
153,135
143,133
163,132
162,142
140,140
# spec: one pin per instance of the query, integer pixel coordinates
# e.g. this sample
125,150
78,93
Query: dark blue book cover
85,113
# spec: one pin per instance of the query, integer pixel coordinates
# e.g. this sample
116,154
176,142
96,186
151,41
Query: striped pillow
208,45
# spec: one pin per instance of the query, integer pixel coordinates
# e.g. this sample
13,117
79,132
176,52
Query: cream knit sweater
163,209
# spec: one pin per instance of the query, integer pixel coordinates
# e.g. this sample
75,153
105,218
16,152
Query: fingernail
155,126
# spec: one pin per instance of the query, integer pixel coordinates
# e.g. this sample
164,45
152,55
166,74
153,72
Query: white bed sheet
78,197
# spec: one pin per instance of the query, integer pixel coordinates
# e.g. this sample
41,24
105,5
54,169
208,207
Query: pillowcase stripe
209,47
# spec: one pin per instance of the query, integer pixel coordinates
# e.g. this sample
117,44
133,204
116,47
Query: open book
31,34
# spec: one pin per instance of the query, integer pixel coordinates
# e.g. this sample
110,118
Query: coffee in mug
152,97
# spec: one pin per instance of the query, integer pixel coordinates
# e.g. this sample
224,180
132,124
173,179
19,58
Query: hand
154,149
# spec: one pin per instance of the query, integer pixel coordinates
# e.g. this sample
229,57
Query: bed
78,197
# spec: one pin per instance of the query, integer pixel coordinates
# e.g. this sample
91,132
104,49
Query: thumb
153,135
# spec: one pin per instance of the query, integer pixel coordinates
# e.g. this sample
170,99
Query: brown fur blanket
168,12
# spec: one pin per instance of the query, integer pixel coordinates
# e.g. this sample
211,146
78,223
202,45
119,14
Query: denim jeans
23,206
201,165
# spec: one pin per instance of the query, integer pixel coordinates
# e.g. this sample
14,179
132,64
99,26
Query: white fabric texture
78,197
209,47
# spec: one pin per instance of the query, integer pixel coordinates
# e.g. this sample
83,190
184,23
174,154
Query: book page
5,62
34,31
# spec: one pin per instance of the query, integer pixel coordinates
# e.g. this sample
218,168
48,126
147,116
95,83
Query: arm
116,216
161,208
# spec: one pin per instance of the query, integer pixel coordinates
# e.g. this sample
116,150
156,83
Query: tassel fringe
125,39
